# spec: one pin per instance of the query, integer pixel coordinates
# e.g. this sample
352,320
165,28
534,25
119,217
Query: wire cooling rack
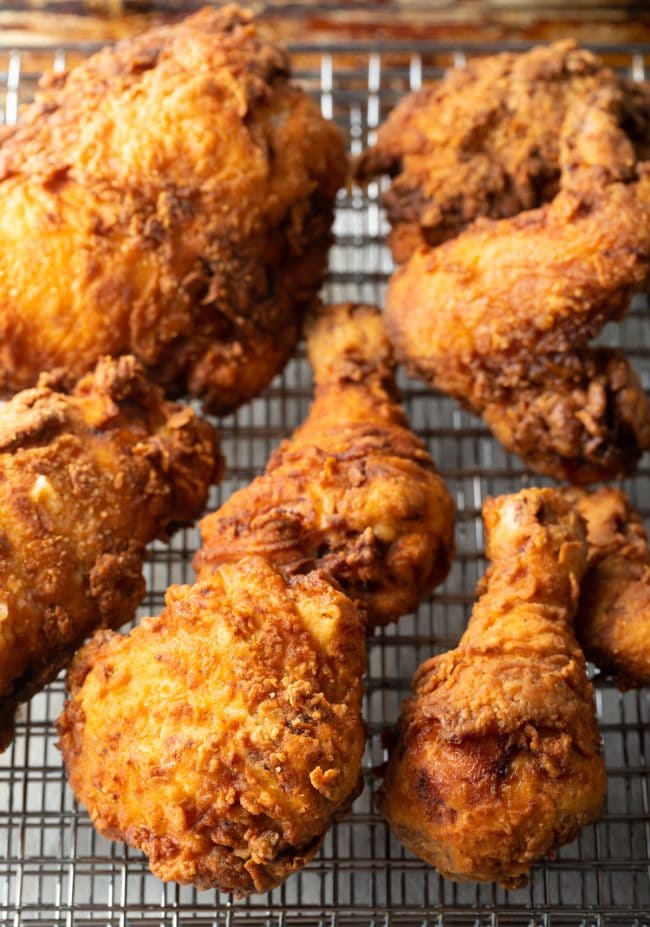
55,870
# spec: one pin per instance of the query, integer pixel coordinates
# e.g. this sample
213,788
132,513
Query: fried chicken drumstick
498,759
499,317
171,198
88,479
221,737
613,620
353,491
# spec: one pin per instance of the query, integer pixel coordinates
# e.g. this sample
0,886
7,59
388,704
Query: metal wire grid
56,870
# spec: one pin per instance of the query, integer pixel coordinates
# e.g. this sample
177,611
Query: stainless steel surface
56,870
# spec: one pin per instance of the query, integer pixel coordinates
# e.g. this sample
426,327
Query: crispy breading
613,621
353,491
222,736
485,140
580,416
499,316
230,778
498,760
170,197
87,480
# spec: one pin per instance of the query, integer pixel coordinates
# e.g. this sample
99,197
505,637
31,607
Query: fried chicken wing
87,480
499,316
613,620
170,197
498,760
221,737
485,140
353,491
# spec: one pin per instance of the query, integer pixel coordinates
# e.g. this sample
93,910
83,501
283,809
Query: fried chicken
222,736
485,140
499,317
87,480
498,760
353,491
172,198
238,710
580,416
613,621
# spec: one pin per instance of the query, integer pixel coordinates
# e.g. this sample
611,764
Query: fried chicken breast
170,197
613,620
353,491
221,737
87,480
499,317
498,759
485,140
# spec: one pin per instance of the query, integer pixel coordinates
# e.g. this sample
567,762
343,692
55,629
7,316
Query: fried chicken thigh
222,736
498,760
485,141
170,197
500,316
353,491
87,480
613,621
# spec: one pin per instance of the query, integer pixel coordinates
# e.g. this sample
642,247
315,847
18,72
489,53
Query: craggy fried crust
498,759
353,491
613,621
87,480
172,198
582,416
485,140
485,317
222,736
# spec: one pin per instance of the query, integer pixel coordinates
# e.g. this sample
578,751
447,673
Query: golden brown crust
222,736
581,416
485,140
613,620
353,491
498,759
171,197
499,316
87,480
